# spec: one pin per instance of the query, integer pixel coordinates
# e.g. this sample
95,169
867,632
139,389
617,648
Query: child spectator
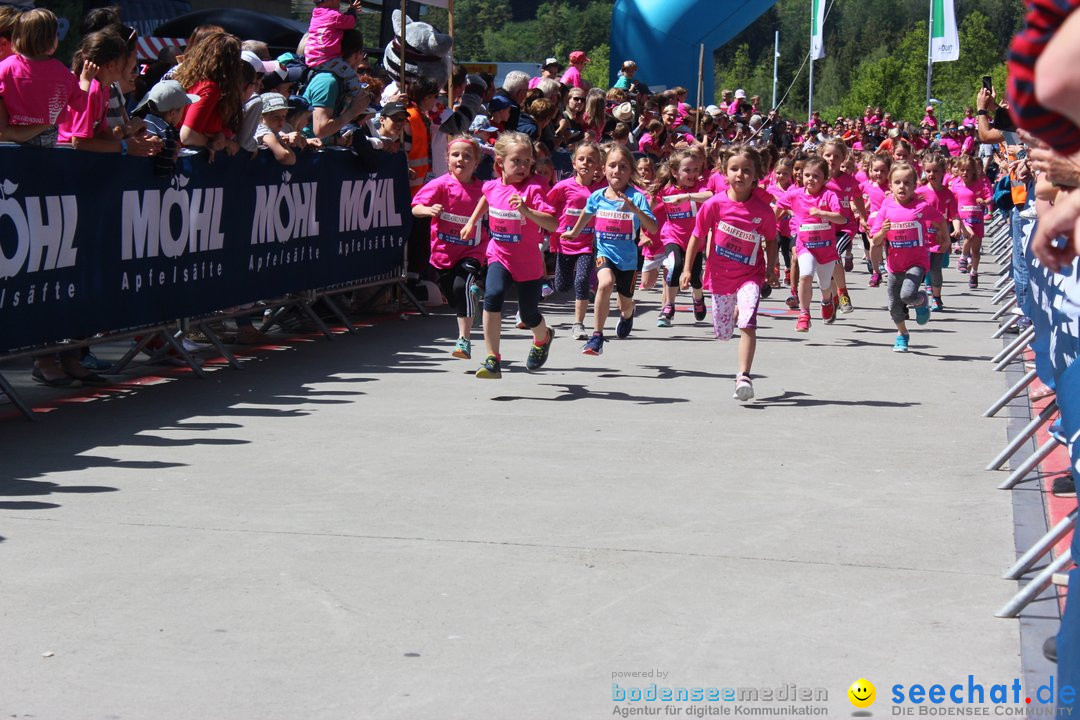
275,109
36,88
323,49
162,110
8,15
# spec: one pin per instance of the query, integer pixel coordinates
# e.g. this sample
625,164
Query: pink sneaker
803,323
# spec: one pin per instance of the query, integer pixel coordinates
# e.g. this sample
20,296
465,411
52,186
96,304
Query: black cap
391,109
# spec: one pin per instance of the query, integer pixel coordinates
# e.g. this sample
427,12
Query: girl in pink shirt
944,201
739,222
34,86
679,193
323,49
816,214
902,225
574,258
847,189
653,250
973,197
517,213
782,180
875,190
449,200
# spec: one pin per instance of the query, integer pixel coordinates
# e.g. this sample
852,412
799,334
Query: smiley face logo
862,693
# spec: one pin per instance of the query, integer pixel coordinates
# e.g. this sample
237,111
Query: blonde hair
467,140
903,167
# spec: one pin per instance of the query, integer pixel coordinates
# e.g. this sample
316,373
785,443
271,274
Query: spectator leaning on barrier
213,71
332,108
270,135
422,94
162,110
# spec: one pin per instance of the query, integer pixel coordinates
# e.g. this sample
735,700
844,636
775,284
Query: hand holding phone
988,83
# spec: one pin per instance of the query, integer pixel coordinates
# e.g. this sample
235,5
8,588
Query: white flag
945,44
817,29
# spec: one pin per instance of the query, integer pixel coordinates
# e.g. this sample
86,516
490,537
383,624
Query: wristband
983,112
123,147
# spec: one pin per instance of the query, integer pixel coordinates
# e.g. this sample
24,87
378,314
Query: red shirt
204,117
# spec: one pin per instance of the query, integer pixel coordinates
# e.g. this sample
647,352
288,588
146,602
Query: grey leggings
937,262
904,292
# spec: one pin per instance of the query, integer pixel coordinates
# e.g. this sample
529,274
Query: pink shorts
736,310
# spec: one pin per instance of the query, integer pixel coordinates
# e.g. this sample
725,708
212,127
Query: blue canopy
662,37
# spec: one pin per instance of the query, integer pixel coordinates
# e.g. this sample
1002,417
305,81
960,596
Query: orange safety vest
419,150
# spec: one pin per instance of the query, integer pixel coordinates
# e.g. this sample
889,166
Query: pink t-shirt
35,92
572,77
906,244
813,235
324,35
783,226
950,146
944,201
738,231
568,199
677,220
717,183
873,196
458,201
847,189
970,211
515,241
84,124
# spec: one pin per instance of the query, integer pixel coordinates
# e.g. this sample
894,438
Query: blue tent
662,37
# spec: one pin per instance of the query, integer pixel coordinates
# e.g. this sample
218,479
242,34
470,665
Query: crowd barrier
95,244
1052,343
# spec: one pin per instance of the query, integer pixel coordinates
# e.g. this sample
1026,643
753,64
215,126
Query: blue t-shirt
616,229
322,91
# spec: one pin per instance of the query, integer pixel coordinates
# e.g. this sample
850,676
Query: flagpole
810,106
775,68
930,54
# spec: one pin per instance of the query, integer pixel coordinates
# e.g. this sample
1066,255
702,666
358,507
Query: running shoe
922,313
744,388
803,323
973,281
546,290
622,330
595,345
875,279
699,308
666,314
849,263
463,349
578,332
490,370
938,304
845,304
792,301
766,291
828,312
538,354
901,344
962,264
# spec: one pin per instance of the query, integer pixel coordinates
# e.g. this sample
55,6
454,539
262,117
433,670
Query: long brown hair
216,58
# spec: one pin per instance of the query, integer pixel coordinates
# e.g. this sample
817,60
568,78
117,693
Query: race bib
614,226
906,235
741,246
816,235
972,214
684,213
576,213
448,229
505,225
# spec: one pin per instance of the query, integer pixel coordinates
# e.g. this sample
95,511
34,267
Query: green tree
596,71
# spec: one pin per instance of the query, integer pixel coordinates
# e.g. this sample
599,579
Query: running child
816,216
944,201
574,258
782,180
902,225
679,193
620,210
875,190
735,270
846,187
652,251
517,213
973,196
797,163
449,201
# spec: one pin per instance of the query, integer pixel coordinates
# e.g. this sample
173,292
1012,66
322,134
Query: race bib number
741,246
816,235
448,229
576,213
906,235
972,214
505,225
684,212
614,226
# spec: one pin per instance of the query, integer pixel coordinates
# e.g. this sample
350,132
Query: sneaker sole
461,354
592,352
744,393
899,350
847,309
489,376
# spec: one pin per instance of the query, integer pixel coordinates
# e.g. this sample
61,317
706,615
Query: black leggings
574,271
679,256
785,250
498,280
455,284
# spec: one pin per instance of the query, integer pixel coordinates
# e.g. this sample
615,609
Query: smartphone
988,83
1011,138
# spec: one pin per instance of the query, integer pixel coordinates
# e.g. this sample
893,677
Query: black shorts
625,280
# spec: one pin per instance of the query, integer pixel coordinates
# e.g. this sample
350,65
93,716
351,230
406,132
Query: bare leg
747,347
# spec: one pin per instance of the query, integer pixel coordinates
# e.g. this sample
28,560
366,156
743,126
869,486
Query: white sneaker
578,332
744,388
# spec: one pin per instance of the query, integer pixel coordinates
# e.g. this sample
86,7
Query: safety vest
419,150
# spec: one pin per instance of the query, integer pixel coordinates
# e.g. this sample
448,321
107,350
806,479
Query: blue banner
92,243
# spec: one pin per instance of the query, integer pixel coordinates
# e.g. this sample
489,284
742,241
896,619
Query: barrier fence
99,244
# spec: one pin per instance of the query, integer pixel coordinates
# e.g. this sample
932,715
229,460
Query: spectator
8,15
572,76
254,70
626,75
571,127
499,111
332,108
392,120
422,94
212,70
595,116
550,70
256,47
162,110
270,132
515,88
538,116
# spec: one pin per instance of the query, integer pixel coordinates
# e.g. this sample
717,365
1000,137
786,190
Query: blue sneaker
922,313
624,327
595,345
538,354
938,305
901,343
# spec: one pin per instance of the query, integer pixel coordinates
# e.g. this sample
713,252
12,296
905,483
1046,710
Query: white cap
740,94
713,110
261,66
